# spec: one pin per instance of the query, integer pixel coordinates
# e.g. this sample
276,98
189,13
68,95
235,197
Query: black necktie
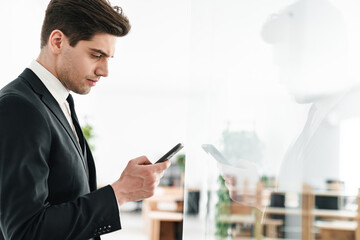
79,132
75,120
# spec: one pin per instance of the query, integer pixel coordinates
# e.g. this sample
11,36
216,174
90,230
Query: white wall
186,69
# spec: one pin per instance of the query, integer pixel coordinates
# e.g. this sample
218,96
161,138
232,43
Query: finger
157,182
161,174
143,160
160,167
165,164
230,187
229,178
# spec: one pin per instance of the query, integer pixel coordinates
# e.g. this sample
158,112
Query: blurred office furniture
173,176
339,224
324,224
163,214
328,201
248,221
277,200
330,221
165,225
193,200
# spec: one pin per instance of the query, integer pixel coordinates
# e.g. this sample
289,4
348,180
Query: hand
243,183
138,180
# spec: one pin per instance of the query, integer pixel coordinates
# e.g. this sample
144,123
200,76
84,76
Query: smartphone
216,154
171,153
211,149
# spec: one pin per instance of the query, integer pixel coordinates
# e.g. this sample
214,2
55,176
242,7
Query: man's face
312,57
79,68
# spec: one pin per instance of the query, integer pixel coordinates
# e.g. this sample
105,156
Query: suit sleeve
25,144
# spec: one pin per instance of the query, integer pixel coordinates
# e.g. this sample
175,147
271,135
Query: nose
102,68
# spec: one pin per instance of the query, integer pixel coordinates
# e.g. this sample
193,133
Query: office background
188,71
186,67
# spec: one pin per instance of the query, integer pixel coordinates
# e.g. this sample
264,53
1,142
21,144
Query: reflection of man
310,48
309,40
47,179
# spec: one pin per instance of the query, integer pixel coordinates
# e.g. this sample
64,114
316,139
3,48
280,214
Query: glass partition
274,120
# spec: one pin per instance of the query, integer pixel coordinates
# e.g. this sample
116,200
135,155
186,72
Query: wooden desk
328,229
333,230
246,238
344,228
161,211
171,195
315,212
271,224
337,225
342,214
162,224
282,211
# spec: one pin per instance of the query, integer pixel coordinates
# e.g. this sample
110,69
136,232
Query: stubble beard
73,85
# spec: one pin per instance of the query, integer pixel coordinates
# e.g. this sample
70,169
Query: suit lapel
54,107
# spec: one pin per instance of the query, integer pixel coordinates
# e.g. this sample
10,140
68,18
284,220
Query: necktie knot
70,100
75,120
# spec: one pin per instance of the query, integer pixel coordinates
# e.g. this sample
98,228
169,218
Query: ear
57,40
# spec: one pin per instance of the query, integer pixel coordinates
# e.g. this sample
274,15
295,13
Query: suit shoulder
17,89
15,85
20,115
17,97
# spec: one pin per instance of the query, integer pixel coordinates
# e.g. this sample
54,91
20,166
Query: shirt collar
324,106
321,109
55,87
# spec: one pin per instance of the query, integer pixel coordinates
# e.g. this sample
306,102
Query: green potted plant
89,135
222,208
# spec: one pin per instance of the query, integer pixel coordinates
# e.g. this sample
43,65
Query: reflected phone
171,153
212,150
216,154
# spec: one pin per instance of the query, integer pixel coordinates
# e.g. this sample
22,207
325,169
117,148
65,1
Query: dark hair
82,19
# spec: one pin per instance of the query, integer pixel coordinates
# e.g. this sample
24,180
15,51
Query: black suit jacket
45,190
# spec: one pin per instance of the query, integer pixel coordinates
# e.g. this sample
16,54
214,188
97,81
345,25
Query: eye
96,56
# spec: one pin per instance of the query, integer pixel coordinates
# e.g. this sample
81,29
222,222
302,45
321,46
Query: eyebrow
101,52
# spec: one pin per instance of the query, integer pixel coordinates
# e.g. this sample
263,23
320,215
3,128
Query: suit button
109,226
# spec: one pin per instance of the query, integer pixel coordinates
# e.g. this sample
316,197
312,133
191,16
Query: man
314,67
47,173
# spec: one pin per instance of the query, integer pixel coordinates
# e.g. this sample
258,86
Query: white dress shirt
56,88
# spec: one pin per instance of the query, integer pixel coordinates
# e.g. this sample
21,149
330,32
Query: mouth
92,82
